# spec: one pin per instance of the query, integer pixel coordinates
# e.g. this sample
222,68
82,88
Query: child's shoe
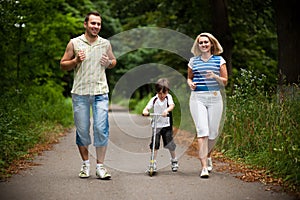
155,166
174,164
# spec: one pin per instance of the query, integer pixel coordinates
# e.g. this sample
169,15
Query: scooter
155,116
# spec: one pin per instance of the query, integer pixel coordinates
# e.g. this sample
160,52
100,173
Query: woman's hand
210,74
191,84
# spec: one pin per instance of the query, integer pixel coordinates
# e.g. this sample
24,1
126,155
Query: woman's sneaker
209,164
85,171
174,165
102,173
204,173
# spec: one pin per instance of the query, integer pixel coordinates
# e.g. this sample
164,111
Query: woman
207,74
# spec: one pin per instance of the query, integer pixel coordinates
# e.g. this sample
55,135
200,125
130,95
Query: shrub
262,130
25,115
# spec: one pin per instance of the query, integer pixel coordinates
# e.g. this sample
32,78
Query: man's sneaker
174,164
204,173
209,164
85,171
102,173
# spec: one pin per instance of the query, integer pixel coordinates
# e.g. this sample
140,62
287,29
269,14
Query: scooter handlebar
155,114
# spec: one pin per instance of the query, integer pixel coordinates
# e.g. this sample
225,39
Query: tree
222,30
288,31
253,29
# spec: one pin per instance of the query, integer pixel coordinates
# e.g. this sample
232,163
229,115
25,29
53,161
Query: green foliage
261,130
25,115
255,39
138,106
177,15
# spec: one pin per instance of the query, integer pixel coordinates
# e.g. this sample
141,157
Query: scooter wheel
151,172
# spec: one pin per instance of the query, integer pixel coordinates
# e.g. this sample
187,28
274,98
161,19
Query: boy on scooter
163,104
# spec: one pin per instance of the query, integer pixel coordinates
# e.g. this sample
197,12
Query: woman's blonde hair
216,48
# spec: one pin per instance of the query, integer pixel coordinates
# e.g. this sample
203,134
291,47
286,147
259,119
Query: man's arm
69,60
109,59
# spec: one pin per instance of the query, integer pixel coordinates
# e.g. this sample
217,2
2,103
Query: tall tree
221,29
253,28
288,31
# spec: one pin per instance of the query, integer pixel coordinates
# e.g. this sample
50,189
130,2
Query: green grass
261,130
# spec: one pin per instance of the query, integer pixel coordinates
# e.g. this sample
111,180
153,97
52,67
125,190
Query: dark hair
87,17
162,85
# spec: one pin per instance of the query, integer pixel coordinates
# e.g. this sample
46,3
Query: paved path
127,158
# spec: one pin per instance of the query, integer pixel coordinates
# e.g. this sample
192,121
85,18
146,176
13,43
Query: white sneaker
209,164
204,173
85,171
102,173
155,166
174,164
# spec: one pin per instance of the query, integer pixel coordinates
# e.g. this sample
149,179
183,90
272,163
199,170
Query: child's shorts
166,133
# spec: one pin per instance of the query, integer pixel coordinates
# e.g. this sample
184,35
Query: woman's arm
223,78
190,77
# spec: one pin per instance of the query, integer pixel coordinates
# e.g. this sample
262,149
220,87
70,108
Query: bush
25,115
261,130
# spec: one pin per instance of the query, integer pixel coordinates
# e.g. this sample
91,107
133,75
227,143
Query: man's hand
105,60
80,56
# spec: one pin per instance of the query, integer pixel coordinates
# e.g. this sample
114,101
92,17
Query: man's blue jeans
81,109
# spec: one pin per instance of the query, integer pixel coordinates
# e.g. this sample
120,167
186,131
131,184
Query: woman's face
204,44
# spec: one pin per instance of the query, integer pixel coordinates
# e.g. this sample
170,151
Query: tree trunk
288,31
222,30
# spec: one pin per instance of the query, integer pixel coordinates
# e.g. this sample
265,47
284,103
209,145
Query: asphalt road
56,176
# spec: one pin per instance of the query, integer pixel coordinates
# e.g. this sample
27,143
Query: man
89,55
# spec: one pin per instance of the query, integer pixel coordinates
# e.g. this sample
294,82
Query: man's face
93,26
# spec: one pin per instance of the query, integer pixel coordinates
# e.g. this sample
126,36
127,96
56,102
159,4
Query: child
162,103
